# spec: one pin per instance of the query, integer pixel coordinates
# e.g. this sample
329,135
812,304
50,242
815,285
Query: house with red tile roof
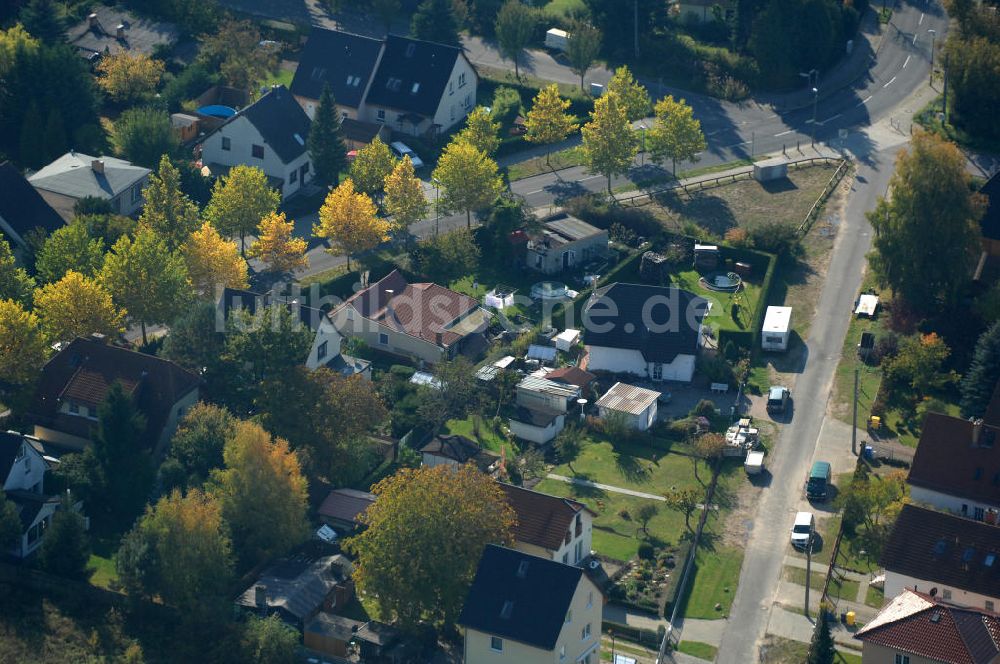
551,527
915,628
425,322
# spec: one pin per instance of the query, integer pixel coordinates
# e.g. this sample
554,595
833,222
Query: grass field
486,437
697,649
557,160
777,650
874,597
716,575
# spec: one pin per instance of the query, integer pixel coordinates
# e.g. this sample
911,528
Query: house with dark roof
342,508
957,467
422,321
23,211
22,471
75,176
271,134
112,30
524,609
299,586
917,628
555,528
455,451
76,381
653,332
564,242
406,85
944,556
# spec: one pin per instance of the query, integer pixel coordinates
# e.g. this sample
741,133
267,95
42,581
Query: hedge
749,339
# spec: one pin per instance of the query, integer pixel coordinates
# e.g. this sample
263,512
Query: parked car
777,399
802,530
818,481
401,150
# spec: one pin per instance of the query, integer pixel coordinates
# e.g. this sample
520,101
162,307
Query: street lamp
583,403
437,207
933,34
812,73
642,152
815,104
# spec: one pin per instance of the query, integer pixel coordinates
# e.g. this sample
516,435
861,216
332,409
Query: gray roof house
564,242
298,587
23,467
22,209
111,30
75,176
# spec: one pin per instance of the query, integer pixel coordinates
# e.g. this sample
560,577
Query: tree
454,395
983,374
326,141
515,23
931,205
143,135
237,51
22,346
372,165
918,366
269,640
277,248
685,501
76,306
167,210
632,95
792,36
675,133
386,11
15,283
708,446
199,440
470,180
213,262
972,64
435,21
404,197
42,19
547,121
240,200
10,524
506,107
70,247
107,227
582,47
349,221
447,256
644,515
480,130
147,279
609,144
129,76
65,549
568,445
418,514
196,342
531,463
870,505
822,649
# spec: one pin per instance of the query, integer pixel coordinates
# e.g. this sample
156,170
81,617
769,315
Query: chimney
439,338
98,166
977,431
260,595
120,32
97,337
92,20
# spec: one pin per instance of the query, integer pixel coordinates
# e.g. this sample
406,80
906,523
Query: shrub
704,408
646,551
737,236
596,210
506,107
775,237
886,347
624,515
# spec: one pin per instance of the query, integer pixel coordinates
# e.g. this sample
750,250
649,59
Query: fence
830,186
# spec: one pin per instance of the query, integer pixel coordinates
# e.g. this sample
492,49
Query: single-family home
653,332
956,467
456,450
944,556
915,628
636,405
564,242
422,321
75,382
23,464
556,528
406,85
75,176
23,212
112,30
342,508
271,134
540,408
526,609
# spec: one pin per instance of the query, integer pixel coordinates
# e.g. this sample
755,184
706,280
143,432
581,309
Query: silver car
401,150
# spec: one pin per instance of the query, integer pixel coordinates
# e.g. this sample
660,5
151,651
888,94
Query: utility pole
854,418
809,557
753,141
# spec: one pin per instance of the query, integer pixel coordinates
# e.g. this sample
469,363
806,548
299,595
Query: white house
649,331
776,329
22,467
559,529
541,407
75,176
271,134
636,404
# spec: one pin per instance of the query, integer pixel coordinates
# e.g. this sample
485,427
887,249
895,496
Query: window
27,465
585,633
965,510
902,659
566,558
415,89
579,552
562,653
74,408
496,644
467,102
136,192
569,616
321,351
989,605
410,48
978,513
451,88
393,83
590,599
227,143
257,151
317,74
304,170
293,177
657,371
383,338
946,594
461,80
380,115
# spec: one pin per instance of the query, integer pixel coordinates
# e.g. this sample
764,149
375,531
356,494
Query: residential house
915,628
271,134
551,527
636,405
76,381
701,11
564,242
23,212
112,30
455,451
956,467
23,465
540,408
75,176
299,586
406,85
423,321
649,331
526,610
342,508
945,556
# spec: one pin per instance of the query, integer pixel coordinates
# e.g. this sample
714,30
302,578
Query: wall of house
567,551
532,399
895,583
551,261
41,523
539,435
399,343
618,360
243,135
131,200
27,473
433,460
642,422
324,644
972,509
459,98
59,438
178,410
873,653
326,333
681,369
63,205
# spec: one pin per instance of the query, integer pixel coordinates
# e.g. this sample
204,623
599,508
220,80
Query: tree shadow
587,491
708,211
630,468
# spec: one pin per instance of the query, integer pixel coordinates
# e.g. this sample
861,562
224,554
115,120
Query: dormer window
410,50
318,74
393,84
415,89
74,408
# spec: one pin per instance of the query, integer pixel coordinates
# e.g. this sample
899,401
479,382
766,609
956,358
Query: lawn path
604,487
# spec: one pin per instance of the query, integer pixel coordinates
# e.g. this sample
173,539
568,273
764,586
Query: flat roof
628,398
777,319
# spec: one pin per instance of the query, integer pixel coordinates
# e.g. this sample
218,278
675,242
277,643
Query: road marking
865,101
891,81
536,191
784,133
915,38
921,19
592,177
834,117
907,62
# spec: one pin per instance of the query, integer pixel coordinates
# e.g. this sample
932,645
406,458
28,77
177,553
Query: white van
556,39
802,531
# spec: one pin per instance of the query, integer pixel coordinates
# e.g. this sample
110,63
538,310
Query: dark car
777,399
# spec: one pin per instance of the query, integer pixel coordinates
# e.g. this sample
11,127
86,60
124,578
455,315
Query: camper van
556,39
776,329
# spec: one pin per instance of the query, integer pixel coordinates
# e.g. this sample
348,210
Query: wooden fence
830,186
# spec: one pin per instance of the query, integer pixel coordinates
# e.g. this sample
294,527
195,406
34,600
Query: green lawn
798,575
104,571
716,575
558,159
486,437
565,8
874,597
282,77
697,649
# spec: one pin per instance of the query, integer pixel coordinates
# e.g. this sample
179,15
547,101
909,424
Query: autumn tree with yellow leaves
76,306
404,197
213,261
349,221
128,76
276,247
547,121
22,346
469,178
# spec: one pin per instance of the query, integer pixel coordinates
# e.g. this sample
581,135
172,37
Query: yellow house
524,609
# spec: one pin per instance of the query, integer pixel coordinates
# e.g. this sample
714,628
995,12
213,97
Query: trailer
754,463
776,329
556,39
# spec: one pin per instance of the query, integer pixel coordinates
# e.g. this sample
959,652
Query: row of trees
972,65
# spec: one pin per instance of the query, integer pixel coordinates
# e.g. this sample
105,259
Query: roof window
393,84
936,617
978,475
411,48
989,559
940,547
968,554
522,569
318,73
353,81
508,608
415,89
298,138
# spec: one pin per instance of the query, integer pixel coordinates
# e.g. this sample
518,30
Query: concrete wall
895,583
243,135
955,505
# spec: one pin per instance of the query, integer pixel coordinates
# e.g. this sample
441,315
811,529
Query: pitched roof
536,416
29,504
571,376
73,175
519,596
920,625
85,369
668,328
21,206
562,228
10,445
281,122
346,505
628,398
342,60
460,449
944,549
989,224
958,458
413,75
299,584
542,520
141,34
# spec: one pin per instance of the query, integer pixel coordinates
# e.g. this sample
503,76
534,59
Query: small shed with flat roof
636,404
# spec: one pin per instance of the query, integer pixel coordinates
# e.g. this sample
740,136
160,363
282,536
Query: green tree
42,19
70,247
10,524
917,368
506,107
480,130
675,133
456,395
386,11
645,514
269,640
582,48
147,279
435,21
972,63
708,447
547,121
371,167
631,94
196,342
685,501
167,210
469,178
240,200
199,440
983,374
418,514
235,49
568,445
143,135
76,306
609,144
447,256
792,36
349,221
326,141
65,549
129,76
404,197
870,505
15,283
108,228
822,649
514,25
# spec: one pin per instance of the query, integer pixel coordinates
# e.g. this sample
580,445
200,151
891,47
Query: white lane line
906,62
921,19
784,133
865,101
592,177
834,117
536,191
891,81
915,38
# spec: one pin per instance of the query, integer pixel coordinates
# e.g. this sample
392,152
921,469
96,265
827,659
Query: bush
624,515
646,551
506,107
188,84
775,237
886,347
704,408
596,210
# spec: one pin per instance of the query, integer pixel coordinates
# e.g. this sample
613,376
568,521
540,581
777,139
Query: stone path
604,487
